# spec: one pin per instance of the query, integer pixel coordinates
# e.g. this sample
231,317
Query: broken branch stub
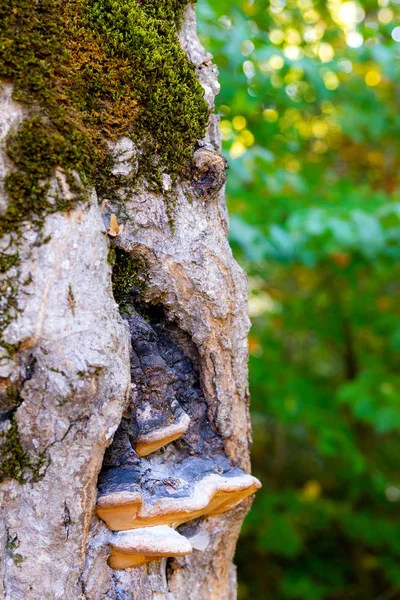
208,171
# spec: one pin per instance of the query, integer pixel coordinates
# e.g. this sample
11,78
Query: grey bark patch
71,401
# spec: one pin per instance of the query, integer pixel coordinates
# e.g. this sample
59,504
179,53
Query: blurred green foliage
310,120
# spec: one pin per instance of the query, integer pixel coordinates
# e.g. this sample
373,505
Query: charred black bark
185,478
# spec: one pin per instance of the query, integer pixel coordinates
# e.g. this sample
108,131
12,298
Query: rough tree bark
76,370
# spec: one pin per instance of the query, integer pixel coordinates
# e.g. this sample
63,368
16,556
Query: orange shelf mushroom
131,497
152,440
138,546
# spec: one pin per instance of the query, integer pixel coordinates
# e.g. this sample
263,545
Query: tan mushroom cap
213,494
146,444
137,546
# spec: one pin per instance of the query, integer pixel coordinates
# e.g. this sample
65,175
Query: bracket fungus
157,432
138,546
149,494
143,487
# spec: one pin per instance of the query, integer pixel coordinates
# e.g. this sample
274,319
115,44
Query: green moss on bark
7,261
93,70
15,463
8,301
36,149
128,277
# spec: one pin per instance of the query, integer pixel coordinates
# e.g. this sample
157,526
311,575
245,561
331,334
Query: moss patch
7,261
98,69
15,463
128,278
8,298
36,150
12,545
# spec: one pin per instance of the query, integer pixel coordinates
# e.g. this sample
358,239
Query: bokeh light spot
331,80
396,34
237,149
392,493
246,47
373,78
246,138
239,122
311,491
354,39
319,128
248,69
350,13
226,129
325,52
276,36
293,52
293,37
385,16
276,62
270,115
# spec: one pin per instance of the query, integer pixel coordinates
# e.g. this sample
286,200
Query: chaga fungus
191,477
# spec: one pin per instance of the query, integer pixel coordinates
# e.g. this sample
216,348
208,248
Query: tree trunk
139,405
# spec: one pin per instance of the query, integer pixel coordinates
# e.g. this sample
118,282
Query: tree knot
208,171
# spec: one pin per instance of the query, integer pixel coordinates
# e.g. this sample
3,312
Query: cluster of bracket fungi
166,465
